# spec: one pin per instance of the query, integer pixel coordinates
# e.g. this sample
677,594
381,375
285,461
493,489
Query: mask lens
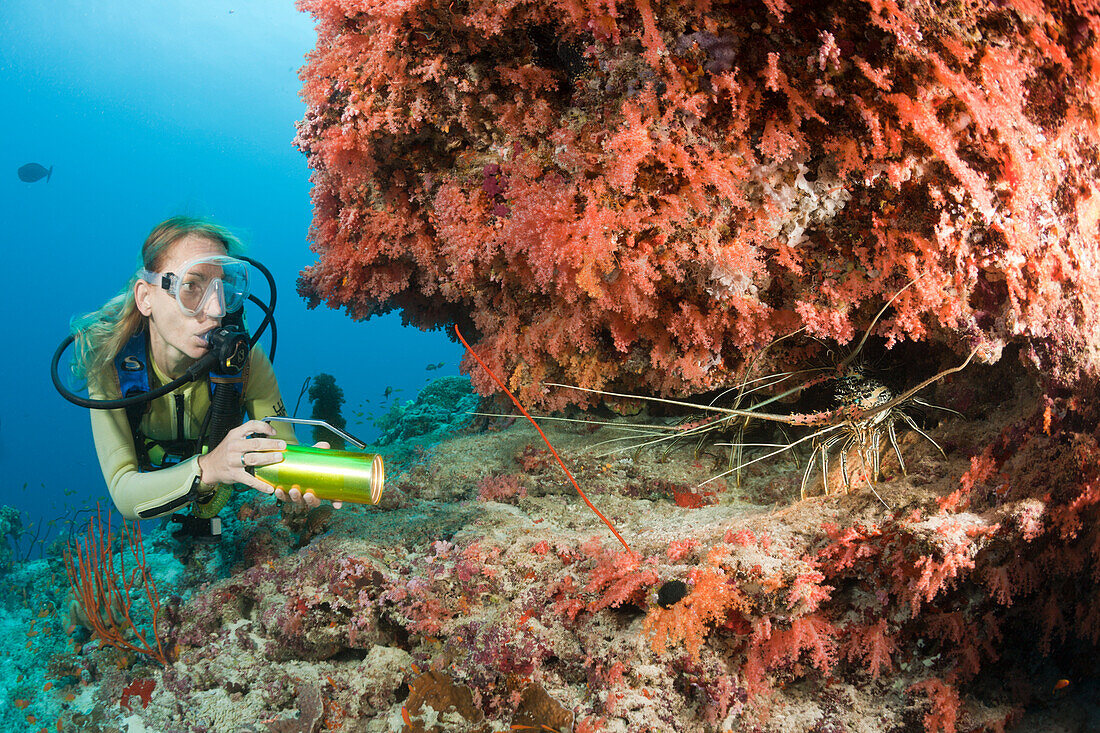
235,285
219,277
192,292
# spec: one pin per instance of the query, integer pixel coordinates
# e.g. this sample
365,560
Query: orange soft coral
636,195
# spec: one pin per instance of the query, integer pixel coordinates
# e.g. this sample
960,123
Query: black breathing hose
268,308
224,411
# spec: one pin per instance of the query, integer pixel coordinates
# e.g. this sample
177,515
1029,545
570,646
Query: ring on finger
243,464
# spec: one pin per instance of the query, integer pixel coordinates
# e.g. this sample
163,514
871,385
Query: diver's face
176,339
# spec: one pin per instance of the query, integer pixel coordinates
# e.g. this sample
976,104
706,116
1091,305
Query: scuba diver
171,361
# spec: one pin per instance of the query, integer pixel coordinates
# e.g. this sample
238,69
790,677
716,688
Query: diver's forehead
190,248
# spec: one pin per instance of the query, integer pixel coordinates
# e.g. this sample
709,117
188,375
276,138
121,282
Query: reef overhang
640,195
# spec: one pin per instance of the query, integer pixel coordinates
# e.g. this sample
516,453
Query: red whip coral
104,593
638,194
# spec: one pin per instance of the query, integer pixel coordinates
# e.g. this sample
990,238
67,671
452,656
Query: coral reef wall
639,194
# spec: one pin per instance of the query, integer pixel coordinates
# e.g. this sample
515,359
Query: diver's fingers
311,500
264,458
250,480
280,495
337,504
323,444
257,427
295,495
264,444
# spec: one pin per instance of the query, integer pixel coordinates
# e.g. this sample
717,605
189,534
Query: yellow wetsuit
155,493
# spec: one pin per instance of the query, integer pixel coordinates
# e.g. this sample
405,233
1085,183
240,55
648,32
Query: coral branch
105,593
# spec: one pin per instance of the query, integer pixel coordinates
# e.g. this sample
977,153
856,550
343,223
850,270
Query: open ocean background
146,110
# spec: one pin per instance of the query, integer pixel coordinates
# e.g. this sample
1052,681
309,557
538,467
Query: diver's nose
215,301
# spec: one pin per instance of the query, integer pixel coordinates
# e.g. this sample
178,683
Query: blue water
146,110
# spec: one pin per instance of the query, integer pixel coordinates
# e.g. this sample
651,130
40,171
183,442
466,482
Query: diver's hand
226,463
309,498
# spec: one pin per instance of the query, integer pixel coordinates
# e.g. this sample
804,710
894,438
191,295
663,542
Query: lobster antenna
871,327
546,440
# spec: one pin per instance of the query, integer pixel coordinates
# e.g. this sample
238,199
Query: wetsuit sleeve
261,395
136,493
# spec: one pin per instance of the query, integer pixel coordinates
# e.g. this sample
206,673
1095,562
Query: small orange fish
405,716
1060,684
22,703
69,697
32,719
47,686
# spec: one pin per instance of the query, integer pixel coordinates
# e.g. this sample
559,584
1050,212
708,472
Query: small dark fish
388,392
433,367
32,172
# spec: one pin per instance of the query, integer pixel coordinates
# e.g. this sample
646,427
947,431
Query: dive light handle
319,423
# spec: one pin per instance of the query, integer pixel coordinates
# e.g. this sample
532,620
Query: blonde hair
101,335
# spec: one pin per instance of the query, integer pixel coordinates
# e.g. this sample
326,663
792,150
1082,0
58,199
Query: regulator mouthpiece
230,346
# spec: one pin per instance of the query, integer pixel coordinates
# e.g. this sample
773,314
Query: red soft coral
712,598
663,203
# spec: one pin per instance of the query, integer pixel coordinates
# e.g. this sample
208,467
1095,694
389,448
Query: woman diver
161,454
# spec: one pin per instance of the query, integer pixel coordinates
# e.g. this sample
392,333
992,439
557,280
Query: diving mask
218,276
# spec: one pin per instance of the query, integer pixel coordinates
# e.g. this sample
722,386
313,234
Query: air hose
225,415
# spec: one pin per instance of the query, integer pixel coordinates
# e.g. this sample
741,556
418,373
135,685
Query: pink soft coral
665,200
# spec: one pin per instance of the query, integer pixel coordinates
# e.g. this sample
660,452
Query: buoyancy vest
132,364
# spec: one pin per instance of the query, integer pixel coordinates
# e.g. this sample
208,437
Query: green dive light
335,475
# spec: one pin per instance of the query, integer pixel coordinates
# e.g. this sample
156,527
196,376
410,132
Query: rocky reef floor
484,595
